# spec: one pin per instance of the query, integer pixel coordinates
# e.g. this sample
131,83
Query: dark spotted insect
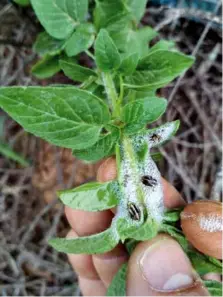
155,137
134,211
149,181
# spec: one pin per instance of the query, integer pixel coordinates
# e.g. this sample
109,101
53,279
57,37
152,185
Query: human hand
157,267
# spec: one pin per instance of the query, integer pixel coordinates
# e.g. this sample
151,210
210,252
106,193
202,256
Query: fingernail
166,268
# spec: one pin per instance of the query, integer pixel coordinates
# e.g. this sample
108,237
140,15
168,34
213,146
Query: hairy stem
111,93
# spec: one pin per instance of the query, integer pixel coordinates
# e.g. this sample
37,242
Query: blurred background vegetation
31,170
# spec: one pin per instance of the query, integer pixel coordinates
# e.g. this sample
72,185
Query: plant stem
129,166
87,83
90,54
111,93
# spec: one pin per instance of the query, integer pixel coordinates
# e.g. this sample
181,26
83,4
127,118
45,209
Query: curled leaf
92,196
94,244
162,134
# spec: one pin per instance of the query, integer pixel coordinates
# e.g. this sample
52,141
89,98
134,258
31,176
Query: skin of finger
91,287
82,264
108,264
85,223
138,286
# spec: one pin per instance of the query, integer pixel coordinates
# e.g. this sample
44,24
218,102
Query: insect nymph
155,137
148,180
134,211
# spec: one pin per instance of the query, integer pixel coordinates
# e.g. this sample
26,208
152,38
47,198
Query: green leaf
113,25
158,69
81,40
59,18
147,231
137,8
117,21
204,264
106,9
130,245
162,134
126,228
214,287
75,71
22,2
45,44
129,64
118,284
141,94
162,45
46,67
176,234
92,196
69,117
142,232
172,63
94,244
8,152
138,41
143,111
106,53
104,147
172,215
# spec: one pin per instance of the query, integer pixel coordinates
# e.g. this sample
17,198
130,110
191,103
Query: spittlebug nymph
155,137
134,211
148,180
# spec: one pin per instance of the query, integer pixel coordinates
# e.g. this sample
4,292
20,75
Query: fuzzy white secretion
154,197
161,134
210,223
129,178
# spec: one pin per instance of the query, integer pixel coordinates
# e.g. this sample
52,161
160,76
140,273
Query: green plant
108,115
70,29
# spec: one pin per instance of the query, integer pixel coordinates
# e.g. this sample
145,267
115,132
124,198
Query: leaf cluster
117,95
72,26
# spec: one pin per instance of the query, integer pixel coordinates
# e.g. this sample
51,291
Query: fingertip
82,264
91,287
172,198
107,171
85,223
108,264
159,267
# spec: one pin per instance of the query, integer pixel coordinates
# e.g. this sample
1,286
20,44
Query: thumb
160,268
